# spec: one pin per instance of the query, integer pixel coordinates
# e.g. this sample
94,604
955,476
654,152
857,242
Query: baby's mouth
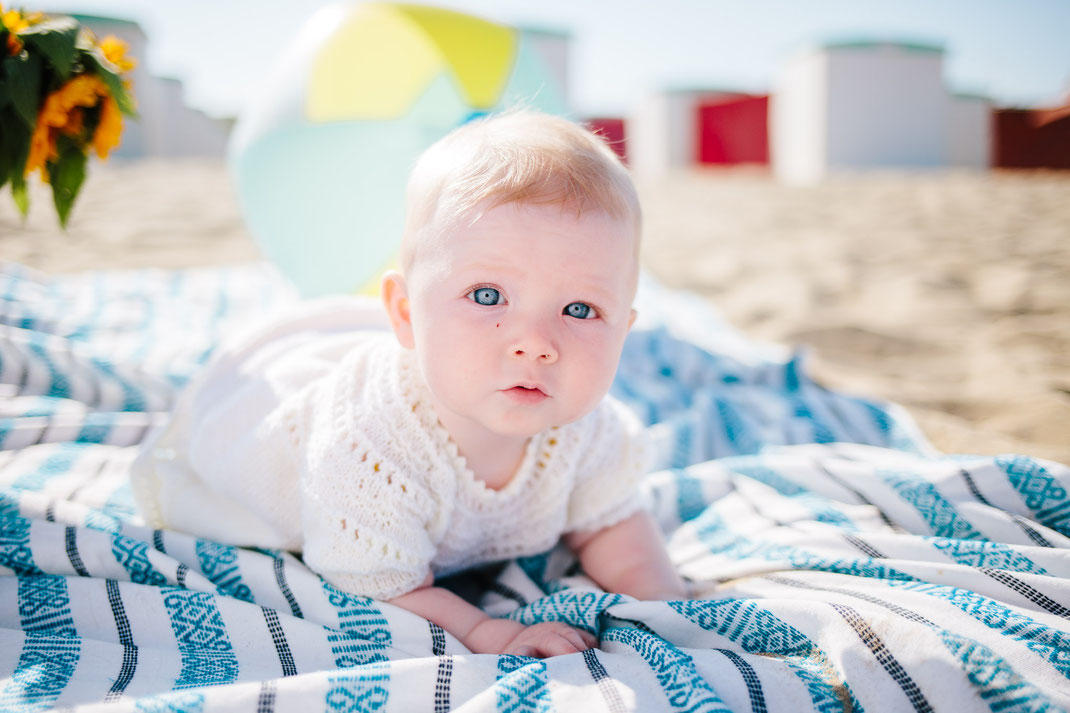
526,394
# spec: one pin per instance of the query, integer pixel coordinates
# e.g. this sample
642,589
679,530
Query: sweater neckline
417,397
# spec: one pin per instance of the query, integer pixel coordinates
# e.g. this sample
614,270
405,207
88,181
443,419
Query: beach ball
321,158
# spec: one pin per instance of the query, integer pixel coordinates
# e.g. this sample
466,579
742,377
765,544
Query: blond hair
520,156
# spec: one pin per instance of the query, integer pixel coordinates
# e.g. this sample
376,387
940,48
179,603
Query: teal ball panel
326,202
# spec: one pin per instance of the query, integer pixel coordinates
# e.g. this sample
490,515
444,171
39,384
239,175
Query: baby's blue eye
486,296
579,311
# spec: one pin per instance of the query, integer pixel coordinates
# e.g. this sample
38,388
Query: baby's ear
396,300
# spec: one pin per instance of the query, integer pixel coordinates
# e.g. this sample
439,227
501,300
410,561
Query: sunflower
15,22
114,51
63,113
62,95
109,128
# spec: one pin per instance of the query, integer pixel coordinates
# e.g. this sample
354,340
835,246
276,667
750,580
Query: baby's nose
545,354
535,343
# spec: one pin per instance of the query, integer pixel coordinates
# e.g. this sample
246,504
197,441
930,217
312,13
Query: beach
946,292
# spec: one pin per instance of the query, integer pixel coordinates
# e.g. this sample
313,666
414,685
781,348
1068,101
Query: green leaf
66,176
109,74
56,39
14,144
7,153
20,194
17,141
24,85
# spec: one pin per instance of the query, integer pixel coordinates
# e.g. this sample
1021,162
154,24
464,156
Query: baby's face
519,319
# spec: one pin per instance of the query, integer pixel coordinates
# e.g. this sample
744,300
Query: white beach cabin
862,105
663,130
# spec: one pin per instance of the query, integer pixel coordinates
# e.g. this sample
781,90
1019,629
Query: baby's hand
550,639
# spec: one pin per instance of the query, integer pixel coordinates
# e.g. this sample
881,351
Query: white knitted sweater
308,435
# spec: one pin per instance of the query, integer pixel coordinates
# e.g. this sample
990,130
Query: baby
479,431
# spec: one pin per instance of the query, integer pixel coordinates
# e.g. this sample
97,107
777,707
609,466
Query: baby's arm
483,634
629,558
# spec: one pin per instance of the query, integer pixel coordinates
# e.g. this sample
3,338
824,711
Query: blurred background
885,184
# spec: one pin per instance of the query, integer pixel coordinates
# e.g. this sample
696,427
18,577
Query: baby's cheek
593,379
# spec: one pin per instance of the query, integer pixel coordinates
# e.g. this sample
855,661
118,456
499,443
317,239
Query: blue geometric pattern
690,501
722,541
1001,687
758,631
359,690
362,635
15,552
9,504
52,648
219,563
684,688
576,608
1042,493
45,606
937,511
1050,644
521,686
207,654
133,555
44,669
986,554
710,405
821,509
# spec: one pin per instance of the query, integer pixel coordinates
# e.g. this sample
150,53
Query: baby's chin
518,430
528,429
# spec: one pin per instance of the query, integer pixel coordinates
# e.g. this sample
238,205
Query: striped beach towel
836,561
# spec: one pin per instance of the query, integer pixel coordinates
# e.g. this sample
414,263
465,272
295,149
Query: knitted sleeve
381,551
606,488
365,520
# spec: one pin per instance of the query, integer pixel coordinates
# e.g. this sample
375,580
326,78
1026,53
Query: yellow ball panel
480,53
373,67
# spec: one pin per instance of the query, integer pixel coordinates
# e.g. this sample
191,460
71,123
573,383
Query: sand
949,293
946,292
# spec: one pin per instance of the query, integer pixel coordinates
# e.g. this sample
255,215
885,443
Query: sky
1015,52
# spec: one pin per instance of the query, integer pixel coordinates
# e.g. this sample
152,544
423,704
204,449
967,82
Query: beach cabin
681,128
1033,138
863,105
613,130
970,131
166,126
733,130
859,105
